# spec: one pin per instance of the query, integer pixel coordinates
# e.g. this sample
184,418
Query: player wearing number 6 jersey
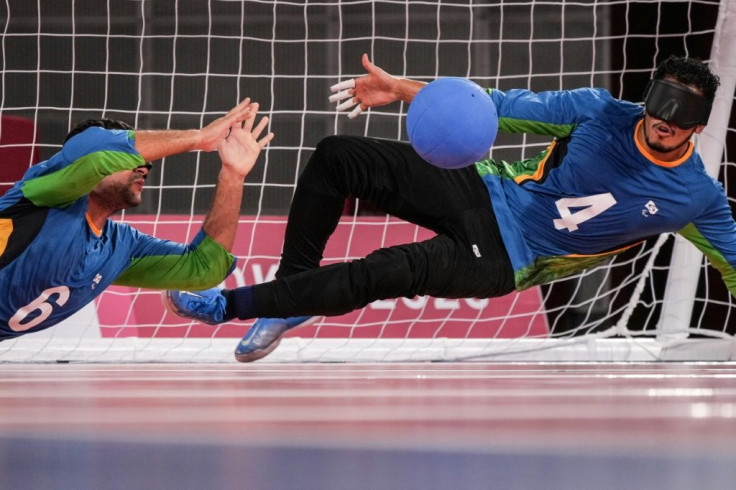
59,250
615,175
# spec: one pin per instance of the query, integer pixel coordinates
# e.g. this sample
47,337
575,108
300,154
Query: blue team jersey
595,191
52,259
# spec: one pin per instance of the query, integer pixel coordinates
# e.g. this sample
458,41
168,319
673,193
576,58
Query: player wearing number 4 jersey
59,250
615,175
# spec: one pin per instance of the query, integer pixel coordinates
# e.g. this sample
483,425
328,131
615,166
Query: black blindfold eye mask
676,103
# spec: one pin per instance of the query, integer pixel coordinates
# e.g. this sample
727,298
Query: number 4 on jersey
586,208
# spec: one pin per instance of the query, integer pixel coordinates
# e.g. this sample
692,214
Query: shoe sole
261,353
257,354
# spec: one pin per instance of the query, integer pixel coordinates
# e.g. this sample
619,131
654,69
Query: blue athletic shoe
206,306
265,334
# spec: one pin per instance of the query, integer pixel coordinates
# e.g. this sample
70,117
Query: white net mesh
180,64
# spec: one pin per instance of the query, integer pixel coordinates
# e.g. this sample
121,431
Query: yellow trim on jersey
610,252
6,228
657,161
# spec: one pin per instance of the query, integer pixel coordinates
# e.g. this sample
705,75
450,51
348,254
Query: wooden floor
414,425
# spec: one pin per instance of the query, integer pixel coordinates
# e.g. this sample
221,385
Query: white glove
341,91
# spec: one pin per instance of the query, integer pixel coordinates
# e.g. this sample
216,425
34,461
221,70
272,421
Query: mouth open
664,130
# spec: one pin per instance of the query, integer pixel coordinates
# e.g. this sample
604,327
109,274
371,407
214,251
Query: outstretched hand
214,134
375,89
239,144
155,144
242,143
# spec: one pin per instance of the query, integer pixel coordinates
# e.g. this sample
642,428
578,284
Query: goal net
180,64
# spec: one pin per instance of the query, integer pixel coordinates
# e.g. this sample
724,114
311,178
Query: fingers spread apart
343,92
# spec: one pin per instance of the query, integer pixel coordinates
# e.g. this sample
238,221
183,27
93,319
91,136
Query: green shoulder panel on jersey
65,186
529,126
509,125
717,260
202,268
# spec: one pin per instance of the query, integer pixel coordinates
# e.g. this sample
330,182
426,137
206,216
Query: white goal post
687,260
180,64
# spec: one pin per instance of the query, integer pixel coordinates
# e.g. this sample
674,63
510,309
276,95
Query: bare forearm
222,221
238,153
154,145
406,89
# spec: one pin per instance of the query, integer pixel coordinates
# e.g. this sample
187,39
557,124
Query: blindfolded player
615,174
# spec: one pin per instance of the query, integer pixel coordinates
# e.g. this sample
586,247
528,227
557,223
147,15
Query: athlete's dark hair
101,123
689,71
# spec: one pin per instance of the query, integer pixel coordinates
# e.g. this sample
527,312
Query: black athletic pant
466,259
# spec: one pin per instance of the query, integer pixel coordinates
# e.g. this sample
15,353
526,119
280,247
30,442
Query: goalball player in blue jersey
615,174
58,247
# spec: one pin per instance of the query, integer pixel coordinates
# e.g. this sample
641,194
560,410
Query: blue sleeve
163,264
554,113
91,140
96,139
82,163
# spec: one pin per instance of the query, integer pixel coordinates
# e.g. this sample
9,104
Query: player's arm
80,165
163,264
95,153
238,149
238,144
238,153
376,88
520,111
715,236
551,113
156,144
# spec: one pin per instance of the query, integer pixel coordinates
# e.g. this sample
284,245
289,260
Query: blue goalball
452,123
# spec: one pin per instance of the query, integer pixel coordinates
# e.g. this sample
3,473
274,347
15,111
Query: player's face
666,140
121,190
